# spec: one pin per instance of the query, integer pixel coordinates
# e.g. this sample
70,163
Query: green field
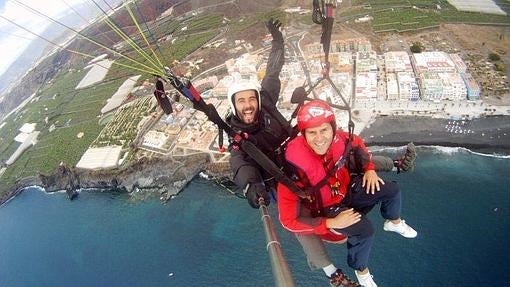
68,111
412,15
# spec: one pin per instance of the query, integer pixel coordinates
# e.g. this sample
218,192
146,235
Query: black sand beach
486,135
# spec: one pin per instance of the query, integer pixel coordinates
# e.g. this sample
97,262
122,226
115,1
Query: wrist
328,223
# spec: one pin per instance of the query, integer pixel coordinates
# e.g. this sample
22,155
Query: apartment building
407,86
392,89
472,87
432,62
397,61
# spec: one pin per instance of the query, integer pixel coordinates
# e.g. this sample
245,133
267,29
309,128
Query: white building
459,63
442,86
366,62
96,74
391,87
366,86
341,62
245,64
454,88
472,87
206,83
155,139
343,81
120,95
407,86
99,158
291,69
26,140
433,62
397,61
28,128
431,86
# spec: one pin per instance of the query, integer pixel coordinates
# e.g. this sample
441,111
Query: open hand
274,28
372,181
344,219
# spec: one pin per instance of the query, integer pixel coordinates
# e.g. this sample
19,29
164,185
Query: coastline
167,177
487,135
163,178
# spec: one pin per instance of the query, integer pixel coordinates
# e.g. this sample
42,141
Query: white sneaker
402,228
365,280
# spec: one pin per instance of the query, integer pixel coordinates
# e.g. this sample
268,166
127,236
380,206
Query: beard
248,115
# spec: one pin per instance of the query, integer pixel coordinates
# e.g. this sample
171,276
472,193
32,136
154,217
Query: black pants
361,234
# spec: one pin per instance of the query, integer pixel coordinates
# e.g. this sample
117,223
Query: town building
442,86
458,62
341,62
432,62
431,86
289,70
245,64
397,61
454,87
206,83
155,139
392,88
343,81
345,45
366,86
288,88
366,62
472,87
407,86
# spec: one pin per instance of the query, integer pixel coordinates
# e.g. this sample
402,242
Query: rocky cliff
163,177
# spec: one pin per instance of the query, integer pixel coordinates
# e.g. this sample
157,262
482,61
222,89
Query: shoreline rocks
166,177
162,177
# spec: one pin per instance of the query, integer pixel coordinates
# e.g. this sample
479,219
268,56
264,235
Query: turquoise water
459,203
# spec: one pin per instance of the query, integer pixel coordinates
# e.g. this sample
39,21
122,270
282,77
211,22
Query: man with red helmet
338,204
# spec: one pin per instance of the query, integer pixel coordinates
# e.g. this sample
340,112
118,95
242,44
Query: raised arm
271,83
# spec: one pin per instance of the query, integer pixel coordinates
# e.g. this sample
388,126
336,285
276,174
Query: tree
494,57
500,67
416,47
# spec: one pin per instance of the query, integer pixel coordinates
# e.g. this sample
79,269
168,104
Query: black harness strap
271,109
241,140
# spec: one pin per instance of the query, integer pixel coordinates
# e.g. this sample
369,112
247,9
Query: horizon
14,40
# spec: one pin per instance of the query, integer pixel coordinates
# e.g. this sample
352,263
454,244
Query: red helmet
314,114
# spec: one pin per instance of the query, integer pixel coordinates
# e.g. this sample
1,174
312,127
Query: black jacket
268,132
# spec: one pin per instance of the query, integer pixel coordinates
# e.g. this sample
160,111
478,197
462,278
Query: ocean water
459,202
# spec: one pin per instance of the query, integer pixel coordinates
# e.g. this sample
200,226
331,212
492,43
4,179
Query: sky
14,40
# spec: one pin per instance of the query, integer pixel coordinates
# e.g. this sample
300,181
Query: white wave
40,188
453,150
495,155
439,149
386,148
445,149
57,191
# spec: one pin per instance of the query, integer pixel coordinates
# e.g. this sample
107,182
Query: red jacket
295,212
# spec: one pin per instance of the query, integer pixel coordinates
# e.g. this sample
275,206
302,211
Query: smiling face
319,138
247,105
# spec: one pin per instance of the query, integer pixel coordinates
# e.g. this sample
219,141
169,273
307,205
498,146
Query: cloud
2,5
12,46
